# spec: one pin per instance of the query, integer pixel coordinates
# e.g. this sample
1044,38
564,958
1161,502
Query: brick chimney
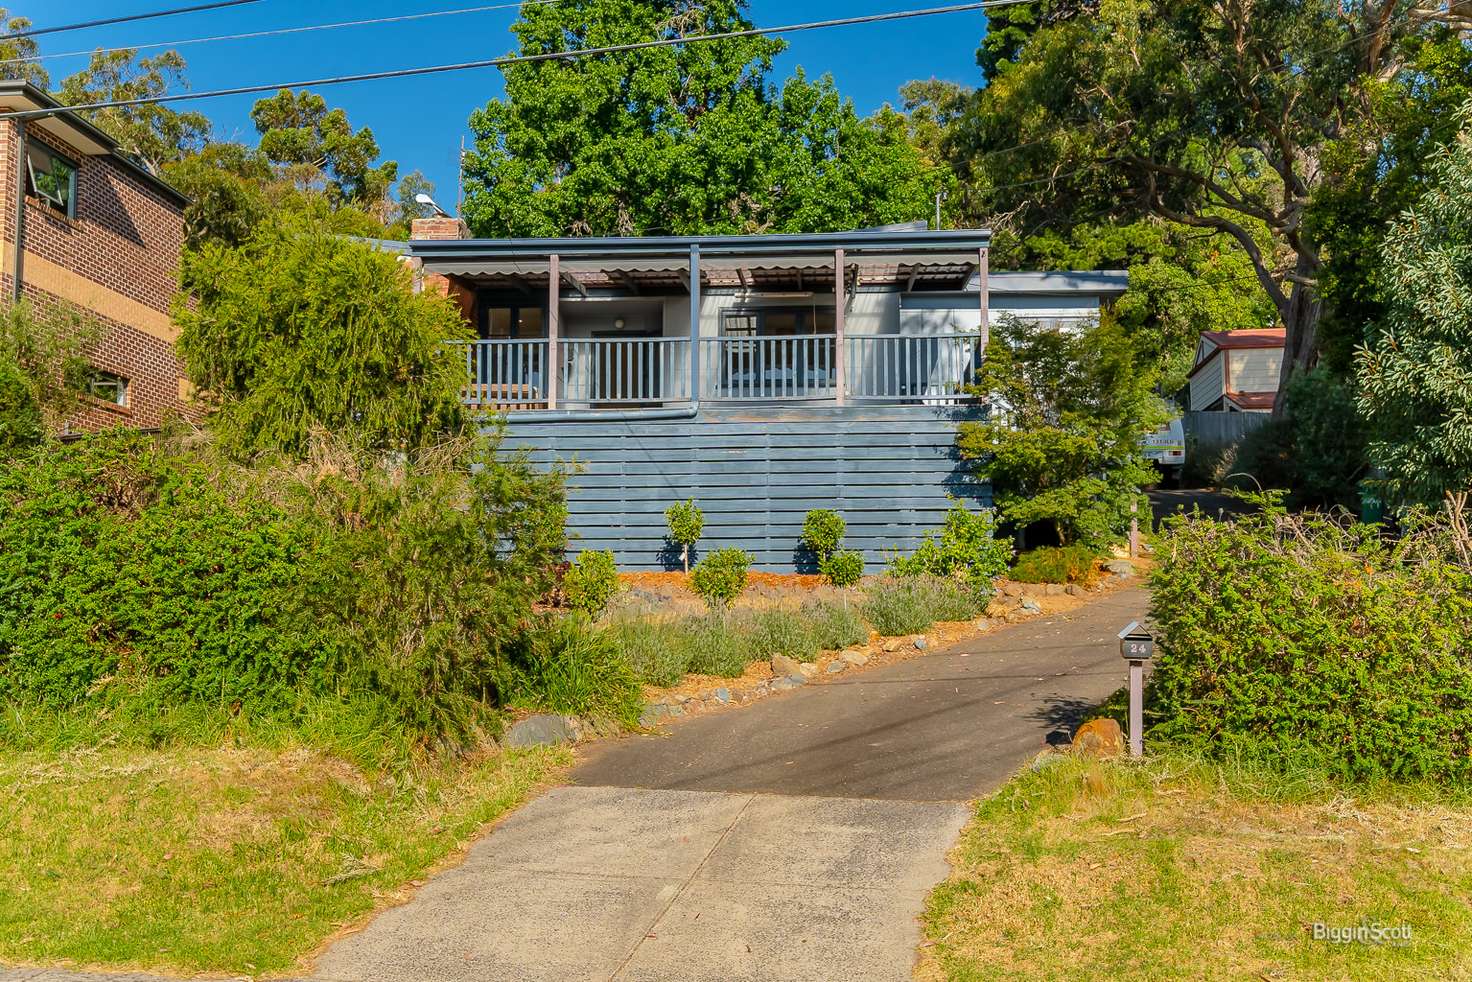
438,228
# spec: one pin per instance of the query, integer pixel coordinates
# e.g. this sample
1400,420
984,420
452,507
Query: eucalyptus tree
1211,114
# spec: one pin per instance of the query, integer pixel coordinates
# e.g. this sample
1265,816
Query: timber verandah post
840,303
553,368
695,324
983,289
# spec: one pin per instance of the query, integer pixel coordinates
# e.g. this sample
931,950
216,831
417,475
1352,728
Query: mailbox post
1136,645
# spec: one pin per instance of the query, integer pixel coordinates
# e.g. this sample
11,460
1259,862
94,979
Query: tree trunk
1301,346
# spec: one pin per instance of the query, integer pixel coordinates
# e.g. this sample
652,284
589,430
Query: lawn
225,859
1179,869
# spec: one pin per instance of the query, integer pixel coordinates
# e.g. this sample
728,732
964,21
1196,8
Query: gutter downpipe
17,261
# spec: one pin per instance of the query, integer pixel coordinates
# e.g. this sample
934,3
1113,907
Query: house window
108,387
512,322
52,178
769,322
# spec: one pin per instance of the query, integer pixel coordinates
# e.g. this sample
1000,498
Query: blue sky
419,121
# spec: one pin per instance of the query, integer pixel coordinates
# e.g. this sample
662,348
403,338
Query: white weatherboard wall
1207,384
1256,369
755,473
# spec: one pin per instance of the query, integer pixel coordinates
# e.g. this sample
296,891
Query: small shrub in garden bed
910,604
822,532
781,632
686,523
834,625
965,547
1295,639
658,649
720,577
1057,564
715,648
843,568
590,582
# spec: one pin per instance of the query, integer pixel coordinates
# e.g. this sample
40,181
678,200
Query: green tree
226,185
1062,443
302,329
155,134
1416,372
17,54
680,139
318,149
1212,116
42,369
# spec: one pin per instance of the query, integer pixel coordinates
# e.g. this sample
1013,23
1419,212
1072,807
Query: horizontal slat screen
755,473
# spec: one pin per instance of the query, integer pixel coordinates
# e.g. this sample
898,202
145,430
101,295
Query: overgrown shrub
1297,638
966,549
591,581
843,568
42,370
302,329
1057,564
720,577
910,604
137,570
1317,456
686,523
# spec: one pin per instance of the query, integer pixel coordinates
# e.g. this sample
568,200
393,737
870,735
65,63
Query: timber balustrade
895,369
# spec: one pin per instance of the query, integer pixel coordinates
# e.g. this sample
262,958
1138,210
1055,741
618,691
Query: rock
1031,606
1099,738
982,624
1052,589
785,683
651,716
1074,590
1007,588
541,730
854,658
799,679
835,666
892,645
1120,567
807,670
685,699
782,665
920,643
721,695
677,710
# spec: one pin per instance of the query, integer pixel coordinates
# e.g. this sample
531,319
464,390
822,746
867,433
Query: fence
1209,431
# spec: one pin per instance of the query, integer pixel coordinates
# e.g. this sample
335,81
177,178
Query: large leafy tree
1209,115
154,134
1416,373
677,139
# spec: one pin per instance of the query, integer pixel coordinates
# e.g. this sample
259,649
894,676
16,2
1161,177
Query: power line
126,19
276,32
516,59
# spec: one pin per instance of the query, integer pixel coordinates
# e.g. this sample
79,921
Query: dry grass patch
1177,869
219,859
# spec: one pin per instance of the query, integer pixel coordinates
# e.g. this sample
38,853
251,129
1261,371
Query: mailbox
1135,643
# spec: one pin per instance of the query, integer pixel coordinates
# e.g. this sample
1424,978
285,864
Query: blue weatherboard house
761,375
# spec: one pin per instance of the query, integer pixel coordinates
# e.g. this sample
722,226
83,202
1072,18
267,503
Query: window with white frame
52,178
108,387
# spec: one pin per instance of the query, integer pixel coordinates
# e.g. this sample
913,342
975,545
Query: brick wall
117,260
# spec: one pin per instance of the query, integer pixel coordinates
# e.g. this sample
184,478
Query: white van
1166,446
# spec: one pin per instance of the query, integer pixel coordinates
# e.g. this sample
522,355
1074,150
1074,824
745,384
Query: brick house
87,226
